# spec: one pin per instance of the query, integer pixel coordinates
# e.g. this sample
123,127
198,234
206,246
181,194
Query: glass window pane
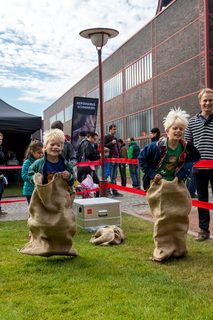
68,113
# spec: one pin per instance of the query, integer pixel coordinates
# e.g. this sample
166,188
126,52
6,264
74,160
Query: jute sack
170,204
52,221
108,235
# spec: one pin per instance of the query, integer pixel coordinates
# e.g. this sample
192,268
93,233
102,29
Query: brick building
164,64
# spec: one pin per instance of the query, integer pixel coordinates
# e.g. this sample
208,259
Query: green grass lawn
113,283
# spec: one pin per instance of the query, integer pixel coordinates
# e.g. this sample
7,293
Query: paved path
132,204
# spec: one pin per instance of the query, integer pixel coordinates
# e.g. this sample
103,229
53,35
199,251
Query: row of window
139,72
113,87
63,116
136,73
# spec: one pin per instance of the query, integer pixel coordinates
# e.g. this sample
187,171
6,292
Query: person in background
200,132
33,152
122,166
111,142
106,165
155,134
68,151
11,159
88,151
97,150
133,153
191,185
2,177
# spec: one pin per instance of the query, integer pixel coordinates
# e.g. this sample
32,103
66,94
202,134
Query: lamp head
99,36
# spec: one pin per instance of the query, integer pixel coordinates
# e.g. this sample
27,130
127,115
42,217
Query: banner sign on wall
84,118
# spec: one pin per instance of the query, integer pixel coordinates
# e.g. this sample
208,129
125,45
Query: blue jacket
152,156
28,187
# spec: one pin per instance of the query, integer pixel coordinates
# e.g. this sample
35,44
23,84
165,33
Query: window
139,71
68,113
139,123
60,116
113,87
52,119
93,94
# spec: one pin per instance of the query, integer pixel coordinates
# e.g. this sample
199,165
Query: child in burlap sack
52,221
166,164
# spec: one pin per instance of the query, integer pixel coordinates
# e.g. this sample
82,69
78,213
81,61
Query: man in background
111,142
200,133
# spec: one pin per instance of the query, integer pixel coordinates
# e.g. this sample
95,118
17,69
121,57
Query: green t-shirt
167,168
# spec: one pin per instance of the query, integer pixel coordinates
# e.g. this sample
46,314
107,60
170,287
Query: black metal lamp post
99,37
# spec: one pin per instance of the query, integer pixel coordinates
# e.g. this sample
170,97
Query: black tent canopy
17,127
14,120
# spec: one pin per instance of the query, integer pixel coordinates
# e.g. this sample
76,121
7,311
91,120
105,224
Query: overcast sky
41,53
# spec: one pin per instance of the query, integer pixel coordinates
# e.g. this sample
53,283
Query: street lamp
99,37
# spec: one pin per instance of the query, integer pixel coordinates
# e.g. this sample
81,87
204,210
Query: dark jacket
113,148
152,156
68,151
2,159
87,151
123,151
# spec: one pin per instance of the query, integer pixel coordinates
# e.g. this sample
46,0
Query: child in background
166,164
106,164
107,169
33,152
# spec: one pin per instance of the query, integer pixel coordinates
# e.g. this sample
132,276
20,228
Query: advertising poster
84,118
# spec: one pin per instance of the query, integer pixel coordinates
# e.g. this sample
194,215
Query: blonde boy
52,221
166,164
52,162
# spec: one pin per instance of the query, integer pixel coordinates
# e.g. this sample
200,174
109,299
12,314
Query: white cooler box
93,213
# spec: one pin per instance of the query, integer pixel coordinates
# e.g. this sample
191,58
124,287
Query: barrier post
103,188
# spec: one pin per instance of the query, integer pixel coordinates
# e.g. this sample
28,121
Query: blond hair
204,91
53,134
175,114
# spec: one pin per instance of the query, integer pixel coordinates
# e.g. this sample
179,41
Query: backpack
81,157
136,151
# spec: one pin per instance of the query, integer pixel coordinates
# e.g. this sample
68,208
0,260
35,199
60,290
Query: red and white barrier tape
207,164
10,167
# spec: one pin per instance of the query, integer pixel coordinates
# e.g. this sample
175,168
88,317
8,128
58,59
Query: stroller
87,184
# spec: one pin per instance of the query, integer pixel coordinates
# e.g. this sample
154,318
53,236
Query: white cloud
41,52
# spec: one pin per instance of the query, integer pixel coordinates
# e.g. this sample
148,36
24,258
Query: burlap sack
52,221
108,235
170,204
